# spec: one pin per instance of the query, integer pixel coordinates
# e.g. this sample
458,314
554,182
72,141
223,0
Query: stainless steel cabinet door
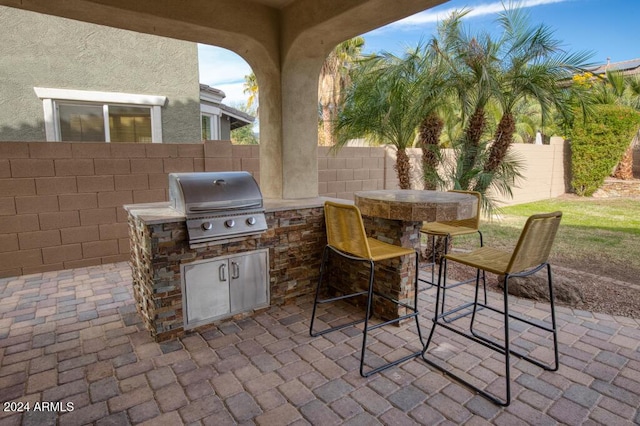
248,285
207,291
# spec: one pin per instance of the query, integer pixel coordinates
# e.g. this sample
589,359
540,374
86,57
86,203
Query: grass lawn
601,236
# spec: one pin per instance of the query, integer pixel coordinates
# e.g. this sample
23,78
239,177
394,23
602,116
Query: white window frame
214,113
50,96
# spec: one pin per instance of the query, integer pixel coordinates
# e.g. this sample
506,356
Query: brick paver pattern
74,338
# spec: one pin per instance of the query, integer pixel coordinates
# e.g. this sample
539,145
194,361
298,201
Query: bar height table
396,216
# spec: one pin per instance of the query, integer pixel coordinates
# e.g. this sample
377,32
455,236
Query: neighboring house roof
211,94
629,67
238,118
215,96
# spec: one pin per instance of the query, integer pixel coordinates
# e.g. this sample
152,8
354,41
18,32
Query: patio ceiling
285,43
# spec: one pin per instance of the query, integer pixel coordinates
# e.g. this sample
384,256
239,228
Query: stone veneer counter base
396,216
159,245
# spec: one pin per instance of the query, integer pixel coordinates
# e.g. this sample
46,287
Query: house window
206,127
210,118
81,123
78,115
96,123
130,124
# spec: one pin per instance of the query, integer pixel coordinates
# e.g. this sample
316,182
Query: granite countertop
154,212
416,205
272,205
161,212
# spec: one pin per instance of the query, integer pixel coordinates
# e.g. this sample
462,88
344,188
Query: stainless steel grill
218,205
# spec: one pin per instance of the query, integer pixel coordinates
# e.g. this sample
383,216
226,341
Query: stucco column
289,127
271,161
300,127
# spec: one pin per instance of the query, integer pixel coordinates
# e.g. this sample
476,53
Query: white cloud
234,92
224,70
430,17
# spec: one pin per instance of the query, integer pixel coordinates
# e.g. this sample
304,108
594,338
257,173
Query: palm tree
609,89
433,95
251,89
533,64
386,103
472,64
334,77
528,121
429,140
633,89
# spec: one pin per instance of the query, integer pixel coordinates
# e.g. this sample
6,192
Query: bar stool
448,230
346,237
529,256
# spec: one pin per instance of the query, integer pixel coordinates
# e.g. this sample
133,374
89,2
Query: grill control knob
230,223
207,226
251,221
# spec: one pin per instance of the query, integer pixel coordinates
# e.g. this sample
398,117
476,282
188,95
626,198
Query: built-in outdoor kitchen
217,249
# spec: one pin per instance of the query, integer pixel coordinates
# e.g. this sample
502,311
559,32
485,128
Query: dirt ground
617,295
601,293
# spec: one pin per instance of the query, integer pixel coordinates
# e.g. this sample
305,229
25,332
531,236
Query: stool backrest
473,222
534,244
345,229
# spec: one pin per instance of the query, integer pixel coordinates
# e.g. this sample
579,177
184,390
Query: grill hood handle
226,207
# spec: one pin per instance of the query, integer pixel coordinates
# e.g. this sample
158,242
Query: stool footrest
391,364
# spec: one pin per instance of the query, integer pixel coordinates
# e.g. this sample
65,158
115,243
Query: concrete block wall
350,170
415,157
61,203
543,171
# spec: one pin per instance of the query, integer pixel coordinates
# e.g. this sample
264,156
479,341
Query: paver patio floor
74,338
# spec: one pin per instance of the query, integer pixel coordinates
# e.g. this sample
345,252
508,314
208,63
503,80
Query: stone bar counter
395,217
159,245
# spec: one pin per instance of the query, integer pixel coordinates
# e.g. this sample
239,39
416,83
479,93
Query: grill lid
211,192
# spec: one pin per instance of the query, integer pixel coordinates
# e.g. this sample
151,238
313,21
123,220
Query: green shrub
598,144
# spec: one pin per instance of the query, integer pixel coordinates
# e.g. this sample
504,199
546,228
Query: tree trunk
501,143
428,138
471,145
403,168
327,126
624,169
475,129
427,253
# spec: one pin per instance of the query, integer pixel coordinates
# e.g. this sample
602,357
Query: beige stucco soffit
247,28
314,24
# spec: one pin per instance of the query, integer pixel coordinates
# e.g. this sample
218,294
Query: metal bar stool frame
448,230
510,268
370,293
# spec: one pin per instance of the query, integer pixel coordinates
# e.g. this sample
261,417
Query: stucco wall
225,128
46,51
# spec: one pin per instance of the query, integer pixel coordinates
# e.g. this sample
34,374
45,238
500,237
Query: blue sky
608,28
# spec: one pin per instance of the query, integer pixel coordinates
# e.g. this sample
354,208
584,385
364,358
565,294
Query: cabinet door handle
221,273
235,270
